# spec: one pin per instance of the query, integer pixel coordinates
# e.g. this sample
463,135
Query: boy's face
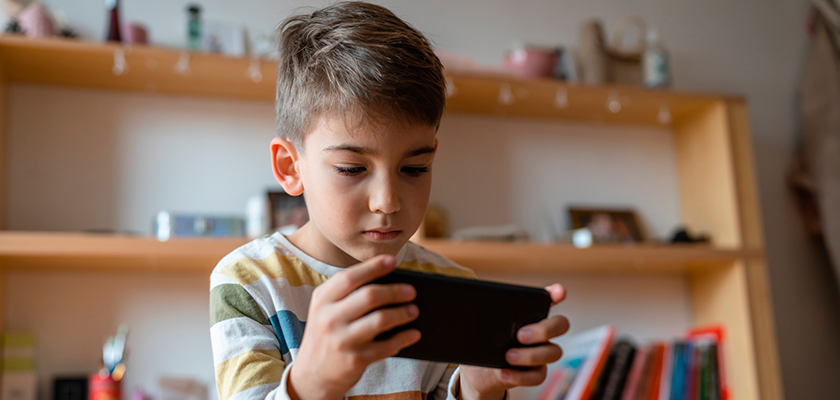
366,188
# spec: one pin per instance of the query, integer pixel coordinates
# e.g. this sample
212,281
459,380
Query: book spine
637,371
621,368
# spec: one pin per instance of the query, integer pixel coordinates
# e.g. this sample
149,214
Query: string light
505,94
664,116
120,66
613,103
182,67
254,71
561,98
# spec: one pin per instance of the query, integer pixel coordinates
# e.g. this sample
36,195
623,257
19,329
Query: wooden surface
153,70
95,251
79,251
149,69
4,149
706,175
530,257
535,98
761,300
720,296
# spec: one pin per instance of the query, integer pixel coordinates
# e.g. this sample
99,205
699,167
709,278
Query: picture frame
608,225
285,211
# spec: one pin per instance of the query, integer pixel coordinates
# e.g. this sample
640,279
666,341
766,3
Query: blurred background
91,159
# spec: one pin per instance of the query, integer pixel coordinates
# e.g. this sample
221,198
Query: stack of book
597,367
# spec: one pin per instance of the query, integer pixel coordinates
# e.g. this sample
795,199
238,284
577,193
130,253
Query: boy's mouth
382,234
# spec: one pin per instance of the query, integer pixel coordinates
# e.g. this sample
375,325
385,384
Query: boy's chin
368,249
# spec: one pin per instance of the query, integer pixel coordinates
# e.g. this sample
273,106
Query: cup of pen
103,387
106,384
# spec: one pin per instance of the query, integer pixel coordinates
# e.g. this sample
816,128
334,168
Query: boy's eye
415,171
350,171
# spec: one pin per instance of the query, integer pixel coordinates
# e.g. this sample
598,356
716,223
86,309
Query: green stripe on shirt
229,300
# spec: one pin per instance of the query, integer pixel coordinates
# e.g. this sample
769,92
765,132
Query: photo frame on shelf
608,225
286,212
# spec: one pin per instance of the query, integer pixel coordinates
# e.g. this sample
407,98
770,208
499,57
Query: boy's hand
478,383
343,320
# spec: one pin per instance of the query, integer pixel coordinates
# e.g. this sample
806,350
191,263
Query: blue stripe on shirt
289,330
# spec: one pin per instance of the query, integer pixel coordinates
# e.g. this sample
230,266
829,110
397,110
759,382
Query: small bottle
194,27
112,6
656,62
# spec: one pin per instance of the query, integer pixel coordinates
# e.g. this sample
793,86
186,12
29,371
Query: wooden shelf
533,257
74,251
81,251
153,70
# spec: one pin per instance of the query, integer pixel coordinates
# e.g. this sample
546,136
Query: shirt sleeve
448,387
246,352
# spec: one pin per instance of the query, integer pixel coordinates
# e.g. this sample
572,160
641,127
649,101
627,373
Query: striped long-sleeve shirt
259,300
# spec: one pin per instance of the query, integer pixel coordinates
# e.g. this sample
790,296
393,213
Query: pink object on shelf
532,62
134,33
36,21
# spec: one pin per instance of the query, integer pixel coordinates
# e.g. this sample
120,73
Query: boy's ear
284,157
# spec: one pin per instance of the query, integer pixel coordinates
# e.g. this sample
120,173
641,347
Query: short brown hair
355,59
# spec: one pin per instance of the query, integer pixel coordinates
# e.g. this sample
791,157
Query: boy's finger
365,329
530,377
534,356
389,348
345,282
557,293
370,297
544,330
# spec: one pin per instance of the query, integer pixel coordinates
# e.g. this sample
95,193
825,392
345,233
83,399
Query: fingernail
525,335
408,290
513,356
412,310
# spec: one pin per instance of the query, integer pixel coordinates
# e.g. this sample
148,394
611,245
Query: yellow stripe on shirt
248,370
247,270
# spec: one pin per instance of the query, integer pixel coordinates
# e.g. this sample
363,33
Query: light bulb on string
451,90
561,98
505,94
664,116
182,67
613,103
120,66
254,72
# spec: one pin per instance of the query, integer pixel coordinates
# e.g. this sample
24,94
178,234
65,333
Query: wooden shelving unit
728,279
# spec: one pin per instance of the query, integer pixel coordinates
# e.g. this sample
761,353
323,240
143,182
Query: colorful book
552,388
714,334
587,354
651,391
634,377
615,377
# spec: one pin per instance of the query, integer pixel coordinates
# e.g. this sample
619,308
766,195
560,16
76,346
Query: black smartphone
467,321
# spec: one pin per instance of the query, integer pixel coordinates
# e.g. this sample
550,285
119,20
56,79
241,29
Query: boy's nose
385,198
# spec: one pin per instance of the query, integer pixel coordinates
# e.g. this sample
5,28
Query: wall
752,47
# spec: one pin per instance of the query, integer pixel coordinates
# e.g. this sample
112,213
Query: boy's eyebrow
420,151
366,151
354,149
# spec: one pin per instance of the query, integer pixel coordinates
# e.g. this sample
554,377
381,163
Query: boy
360,95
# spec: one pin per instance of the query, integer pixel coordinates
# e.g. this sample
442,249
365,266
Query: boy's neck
309,240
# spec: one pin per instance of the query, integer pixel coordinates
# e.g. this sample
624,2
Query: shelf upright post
4,144
758,281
